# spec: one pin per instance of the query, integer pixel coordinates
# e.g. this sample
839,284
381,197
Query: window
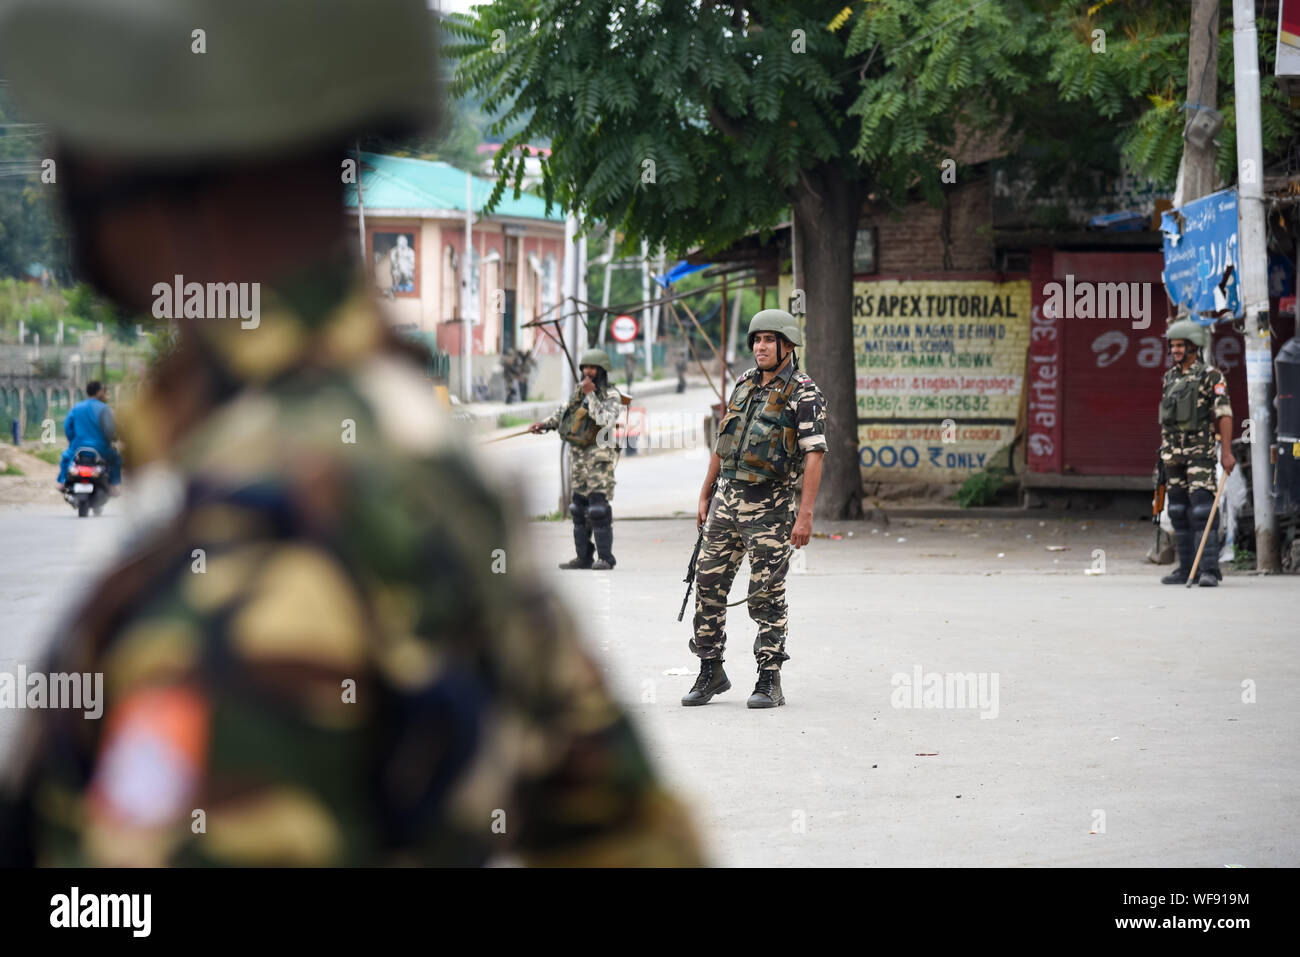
395,262
864,251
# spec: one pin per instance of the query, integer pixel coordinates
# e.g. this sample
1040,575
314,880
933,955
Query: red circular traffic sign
623,328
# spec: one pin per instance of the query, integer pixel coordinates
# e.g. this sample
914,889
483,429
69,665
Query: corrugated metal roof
398,182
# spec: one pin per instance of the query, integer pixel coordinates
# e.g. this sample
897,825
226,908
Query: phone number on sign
923,403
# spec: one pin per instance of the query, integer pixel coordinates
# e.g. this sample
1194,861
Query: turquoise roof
398,182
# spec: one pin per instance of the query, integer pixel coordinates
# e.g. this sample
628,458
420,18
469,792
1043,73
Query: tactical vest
576,426
759,444
1181,408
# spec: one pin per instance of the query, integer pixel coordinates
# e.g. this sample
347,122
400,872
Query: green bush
980,489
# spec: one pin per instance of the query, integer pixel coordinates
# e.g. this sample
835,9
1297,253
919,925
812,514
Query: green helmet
201,79
595,357
775,320
1193,332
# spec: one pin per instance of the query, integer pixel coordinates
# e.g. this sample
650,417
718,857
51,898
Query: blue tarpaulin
1200,249
683,268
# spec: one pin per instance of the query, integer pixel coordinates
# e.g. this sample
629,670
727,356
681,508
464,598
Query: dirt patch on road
35,486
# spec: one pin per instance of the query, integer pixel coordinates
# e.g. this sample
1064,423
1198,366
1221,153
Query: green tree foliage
30,227
1139,84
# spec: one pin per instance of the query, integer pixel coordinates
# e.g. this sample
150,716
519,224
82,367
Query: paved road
1110,717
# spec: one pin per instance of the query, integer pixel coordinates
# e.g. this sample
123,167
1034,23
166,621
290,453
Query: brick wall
914,241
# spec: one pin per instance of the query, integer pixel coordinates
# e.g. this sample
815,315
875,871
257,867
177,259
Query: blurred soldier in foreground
587,424
323,659
1194,411
774,430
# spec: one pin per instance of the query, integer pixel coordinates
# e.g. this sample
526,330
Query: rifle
1158,499
695,556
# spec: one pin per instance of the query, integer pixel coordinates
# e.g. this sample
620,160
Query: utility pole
1254,277
644,315
361,219
1196,171
466,326
604,293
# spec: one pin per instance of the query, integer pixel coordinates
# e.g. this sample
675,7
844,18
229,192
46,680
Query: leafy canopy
693,123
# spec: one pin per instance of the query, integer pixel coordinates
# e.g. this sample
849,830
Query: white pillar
1254,274
644,316
568,290
466,326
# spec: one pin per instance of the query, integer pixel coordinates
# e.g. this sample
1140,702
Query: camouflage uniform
350,554
755,514
1191,405
587,422
1189,456
336,650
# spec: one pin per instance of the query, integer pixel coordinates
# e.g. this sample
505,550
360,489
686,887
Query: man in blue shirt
90,425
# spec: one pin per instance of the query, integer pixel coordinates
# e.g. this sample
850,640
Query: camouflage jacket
338,651
789,432
602,410
1212,398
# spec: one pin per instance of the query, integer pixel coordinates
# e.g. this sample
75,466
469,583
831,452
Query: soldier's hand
537,428
702,511
802,531
588,387
1228,460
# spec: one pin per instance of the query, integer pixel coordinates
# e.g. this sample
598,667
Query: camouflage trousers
591,469
753,517
1189,471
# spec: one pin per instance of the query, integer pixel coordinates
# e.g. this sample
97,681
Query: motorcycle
86,486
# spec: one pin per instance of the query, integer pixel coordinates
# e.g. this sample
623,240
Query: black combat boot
604,535
1207,573
711,680
582,542
601,517
767,692
1184,544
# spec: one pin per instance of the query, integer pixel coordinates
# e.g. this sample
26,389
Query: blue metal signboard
1201,267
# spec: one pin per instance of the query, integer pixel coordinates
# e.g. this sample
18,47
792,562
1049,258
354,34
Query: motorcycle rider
90,424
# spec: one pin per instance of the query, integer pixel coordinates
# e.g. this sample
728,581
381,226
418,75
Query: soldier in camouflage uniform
320,659
587,424
773,431
1194,408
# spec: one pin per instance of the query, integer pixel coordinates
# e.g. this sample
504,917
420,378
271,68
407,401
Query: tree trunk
826,204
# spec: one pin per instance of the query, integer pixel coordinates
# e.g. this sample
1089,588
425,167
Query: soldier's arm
604,411
706,490
812,480
1222,412
553,421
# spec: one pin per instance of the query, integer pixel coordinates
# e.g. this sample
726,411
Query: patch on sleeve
1220,388
153,754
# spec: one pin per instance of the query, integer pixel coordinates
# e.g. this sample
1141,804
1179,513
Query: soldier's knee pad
1179,506
600,513
578,509
1202,502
